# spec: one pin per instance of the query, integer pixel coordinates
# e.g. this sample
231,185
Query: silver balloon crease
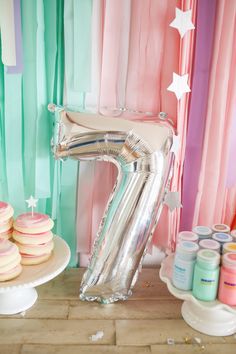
141,152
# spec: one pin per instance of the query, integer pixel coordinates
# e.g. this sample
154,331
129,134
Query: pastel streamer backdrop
108,56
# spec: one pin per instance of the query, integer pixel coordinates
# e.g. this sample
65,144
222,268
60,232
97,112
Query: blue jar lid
187,249
222,237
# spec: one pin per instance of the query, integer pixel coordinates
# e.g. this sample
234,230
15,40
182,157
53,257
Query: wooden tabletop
149,322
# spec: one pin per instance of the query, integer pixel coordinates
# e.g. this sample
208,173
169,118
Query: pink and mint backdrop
103,55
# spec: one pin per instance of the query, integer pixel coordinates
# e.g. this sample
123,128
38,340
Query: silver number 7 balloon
141,152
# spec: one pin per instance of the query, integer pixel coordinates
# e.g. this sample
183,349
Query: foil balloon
141,152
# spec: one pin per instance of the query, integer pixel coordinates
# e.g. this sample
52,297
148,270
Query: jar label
230,285
207,281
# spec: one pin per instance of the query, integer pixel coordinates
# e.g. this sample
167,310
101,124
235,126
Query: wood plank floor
147,323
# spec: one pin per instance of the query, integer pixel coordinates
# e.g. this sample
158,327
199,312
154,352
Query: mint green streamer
3,176
29,93
26,126
27,165
13,141
77,21
82,11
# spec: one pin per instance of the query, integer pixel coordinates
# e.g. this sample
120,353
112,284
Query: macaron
6,212
35,250
9,260
32,239
33,236
11,274
6,225
6,235
29,259
6,220
33,223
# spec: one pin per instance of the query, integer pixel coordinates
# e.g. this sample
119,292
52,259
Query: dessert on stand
19,294
209,317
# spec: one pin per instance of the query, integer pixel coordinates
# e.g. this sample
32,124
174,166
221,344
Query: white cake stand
19,294
213,318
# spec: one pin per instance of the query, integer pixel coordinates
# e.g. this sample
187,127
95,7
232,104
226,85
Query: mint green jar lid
208,259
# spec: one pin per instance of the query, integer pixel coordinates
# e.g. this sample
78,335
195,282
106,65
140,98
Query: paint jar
202,232
229,247
221,228
187,236
206,275
183,267
222,238
233,234
227,287
210,244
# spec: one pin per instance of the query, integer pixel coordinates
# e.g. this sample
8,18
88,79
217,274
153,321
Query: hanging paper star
172,200
182,21
32,203
175,145
179,85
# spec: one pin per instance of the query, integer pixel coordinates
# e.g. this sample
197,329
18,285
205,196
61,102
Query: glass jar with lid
206,275
183,266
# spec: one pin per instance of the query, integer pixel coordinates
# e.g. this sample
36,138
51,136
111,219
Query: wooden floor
149,322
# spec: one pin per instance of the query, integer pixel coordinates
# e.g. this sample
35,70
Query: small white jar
202,232
187,236
183,266
210,245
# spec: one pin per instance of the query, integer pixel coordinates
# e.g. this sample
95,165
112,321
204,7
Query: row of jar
211,238
204,271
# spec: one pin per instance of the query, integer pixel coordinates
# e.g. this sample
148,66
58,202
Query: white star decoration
179,85
32,203
172,200
182,21
175,145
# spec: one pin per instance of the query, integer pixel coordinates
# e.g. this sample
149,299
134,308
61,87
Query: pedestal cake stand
212,318
19,294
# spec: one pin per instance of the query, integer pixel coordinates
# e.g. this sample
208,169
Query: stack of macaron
10,259
6,220
33,236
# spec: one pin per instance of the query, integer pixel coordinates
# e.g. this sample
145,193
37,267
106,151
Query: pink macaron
9,260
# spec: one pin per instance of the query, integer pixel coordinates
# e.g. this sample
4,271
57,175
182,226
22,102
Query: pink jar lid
221,228
229,260
233,234
187,236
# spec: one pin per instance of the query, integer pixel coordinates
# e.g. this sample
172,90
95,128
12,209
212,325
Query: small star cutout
179,85
32,202
172,200
175,145
182,21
